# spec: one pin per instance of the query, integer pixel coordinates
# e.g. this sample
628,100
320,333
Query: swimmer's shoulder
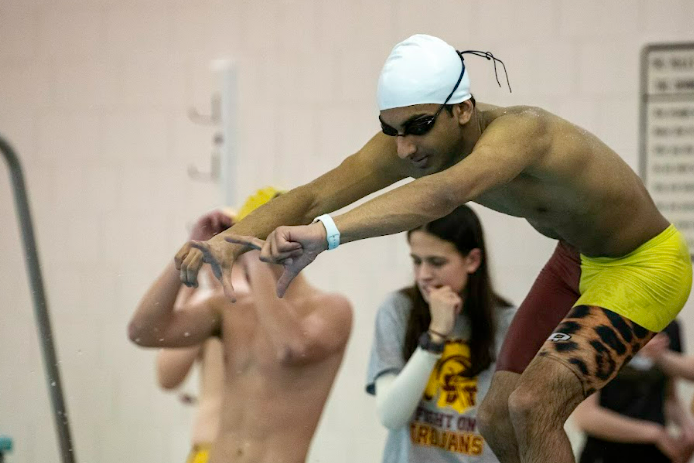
528,127
530,116
334,302
336,307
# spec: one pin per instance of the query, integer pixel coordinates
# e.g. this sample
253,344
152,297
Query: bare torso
270,410
207,417
577,190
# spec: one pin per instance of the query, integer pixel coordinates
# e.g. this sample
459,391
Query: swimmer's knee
522,404
546,394
492,416
490,413
493,413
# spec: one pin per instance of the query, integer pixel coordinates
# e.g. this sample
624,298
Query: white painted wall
94,94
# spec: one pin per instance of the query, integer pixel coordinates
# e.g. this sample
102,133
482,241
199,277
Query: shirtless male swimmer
619,274
281,356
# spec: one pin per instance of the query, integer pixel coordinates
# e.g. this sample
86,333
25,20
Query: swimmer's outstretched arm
372,168
507,148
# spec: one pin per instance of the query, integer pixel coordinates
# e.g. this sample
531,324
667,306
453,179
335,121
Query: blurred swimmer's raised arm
156,323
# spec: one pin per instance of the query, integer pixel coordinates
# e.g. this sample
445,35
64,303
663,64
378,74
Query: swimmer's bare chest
578,190
593,224
549,209
543,194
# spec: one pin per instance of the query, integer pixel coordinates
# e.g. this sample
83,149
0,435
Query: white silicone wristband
333,234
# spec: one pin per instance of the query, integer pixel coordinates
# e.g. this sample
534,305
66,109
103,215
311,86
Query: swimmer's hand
204,248
291,247
218,253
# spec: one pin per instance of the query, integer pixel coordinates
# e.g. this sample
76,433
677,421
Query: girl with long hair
435,345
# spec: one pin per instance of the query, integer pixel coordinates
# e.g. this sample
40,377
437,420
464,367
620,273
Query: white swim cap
422,69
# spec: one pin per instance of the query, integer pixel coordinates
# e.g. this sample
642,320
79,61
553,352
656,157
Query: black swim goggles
423,124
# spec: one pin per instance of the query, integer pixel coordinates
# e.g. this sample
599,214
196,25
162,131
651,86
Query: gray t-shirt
443,428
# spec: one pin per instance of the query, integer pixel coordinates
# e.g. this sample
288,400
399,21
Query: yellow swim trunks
649,286
199,454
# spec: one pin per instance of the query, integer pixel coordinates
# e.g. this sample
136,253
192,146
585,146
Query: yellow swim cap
257,199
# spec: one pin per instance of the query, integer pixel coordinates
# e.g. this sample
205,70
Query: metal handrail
50,359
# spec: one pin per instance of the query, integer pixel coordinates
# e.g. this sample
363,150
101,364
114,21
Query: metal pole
40,305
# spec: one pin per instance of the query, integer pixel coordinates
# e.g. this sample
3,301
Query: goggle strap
460,77
489,56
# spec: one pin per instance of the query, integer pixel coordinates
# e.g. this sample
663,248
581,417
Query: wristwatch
332,233
428,344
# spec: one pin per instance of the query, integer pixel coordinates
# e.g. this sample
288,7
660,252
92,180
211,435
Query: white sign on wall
667,132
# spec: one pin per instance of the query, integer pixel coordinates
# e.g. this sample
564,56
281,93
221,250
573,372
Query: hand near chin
444,306
293,248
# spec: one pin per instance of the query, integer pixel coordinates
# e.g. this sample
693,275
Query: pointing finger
250,241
